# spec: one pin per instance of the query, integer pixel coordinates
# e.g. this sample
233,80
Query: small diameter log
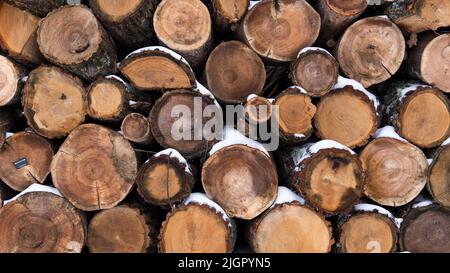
173,126
227,14
233,72
420,113
18,34
128,21
336,16
41,222
185,26
290,227
295,114
439,183
26,159
426,230
11,83
41,8
329,175
258,110
94,168
119,230
197,226
396,171
6,123
165,179
368,229
415,16
107,99
71,37
346,115
136,128
54,101
371,50
241,179
157,68
429,60
315,70
278,30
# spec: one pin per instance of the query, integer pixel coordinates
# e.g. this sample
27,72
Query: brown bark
420,114
11,81
227,14
107,99
155,70
396,171
129,21
74,39
41,222
191,36
278,30
39,8
6,123
136,128
54,101
439,183
415,16
18,34
371,50
94,168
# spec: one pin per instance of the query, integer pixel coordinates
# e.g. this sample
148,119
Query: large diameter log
185,26
425,230
107,99
315,70
71,37
429,60
136,128
11,83
396,171
233,72
94,168
197,226
241,179
377,50
227,14
26,159
278,30
130,22
179,131
18,34
439,182
41,222
119,230
415,16
54,101
337,15
421,114
156,68
295,115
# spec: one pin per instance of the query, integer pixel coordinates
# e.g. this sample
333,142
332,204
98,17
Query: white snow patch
446,142
132,102
73,2
430,161
234,137
175,154
343,82
271,100
285,195
35,188
163,49
384,17
299,88
299,135
311,48
422,204
204,91
202,199
381,210
116,78
409,88
388,131
251,96
9,134
24,79
252,4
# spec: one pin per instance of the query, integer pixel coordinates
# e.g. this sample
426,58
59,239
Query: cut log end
136,128
439,183
435,62
258,110
347,7
116,10
10,81
106,100
226,13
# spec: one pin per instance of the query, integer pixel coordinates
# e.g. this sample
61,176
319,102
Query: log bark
425,230
6,123
107,99
5,193
18,34
39,8
152,69
347,116
54,101
197,227
71,37
241,179
185,27
336,16
94,168
162,123
258,110
439,182
136,128
278,30
41,222
129,22
119,230
233,72
165,179
11,81
429,60
415,16
227,14
315,71
26,159
295,115
421,114
377,50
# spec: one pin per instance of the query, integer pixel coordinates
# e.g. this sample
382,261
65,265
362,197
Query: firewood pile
115,133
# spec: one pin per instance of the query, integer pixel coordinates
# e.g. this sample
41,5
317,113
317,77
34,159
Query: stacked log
227,14
439,182
115,107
